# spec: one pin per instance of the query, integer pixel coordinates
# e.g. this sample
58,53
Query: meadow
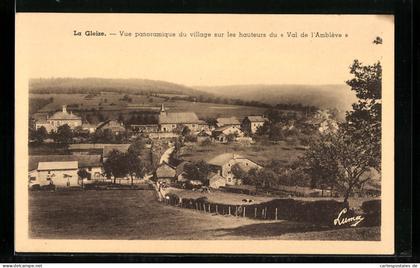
111,105
106,214
259,152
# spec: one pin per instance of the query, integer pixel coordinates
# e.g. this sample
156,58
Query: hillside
96,85
323,96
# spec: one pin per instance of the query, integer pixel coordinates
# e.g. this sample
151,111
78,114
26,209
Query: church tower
162,110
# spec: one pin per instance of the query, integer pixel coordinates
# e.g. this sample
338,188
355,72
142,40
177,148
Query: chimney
64,109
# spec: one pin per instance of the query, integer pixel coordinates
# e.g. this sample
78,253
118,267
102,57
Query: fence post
244,212
209,208
276,213
265,213
236,211
229,210
255,212
217,212
196,206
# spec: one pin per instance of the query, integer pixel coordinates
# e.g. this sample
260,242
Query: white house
227,121
59,119
61,174
91,163
169,121
250,124
223,164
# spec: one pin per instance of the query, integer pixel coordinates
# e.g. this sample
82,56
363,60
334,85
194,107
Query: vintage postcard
204,133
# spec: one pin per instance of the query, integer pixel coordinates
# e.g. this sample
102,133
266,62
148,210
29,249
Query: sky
46,47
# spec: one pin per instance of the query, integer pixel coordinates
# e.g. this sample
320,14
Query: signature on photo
341,219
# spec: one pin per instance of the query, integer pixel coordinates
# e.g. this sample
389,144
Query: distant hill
96,85
322,96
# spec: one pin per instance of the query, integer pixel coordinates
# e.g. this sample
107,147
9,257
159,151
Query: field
111,106
260,152
135,214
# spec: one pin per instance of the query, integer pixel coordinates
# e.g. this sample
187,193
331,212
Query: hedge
318,212
372,212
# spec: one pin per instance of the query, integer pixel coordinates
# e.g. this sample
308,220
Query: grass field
111,105
135,214
259,152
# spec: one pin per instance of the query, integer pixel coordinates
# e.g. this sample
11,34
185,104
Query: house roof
84,161
204,133
223,121
119,147
109,124
256,118
180,168
221,129
41,121
64,115
215,176
165,170
179,118
221,159
88,125
88,146
57,165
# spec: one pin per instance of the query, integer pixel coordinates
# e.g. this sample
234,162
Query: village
85,162
246,166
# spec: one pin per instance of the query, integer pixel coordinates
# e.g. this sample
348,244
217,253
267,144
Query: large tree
83,174
39,135
335,161
64,134
135,167
342,158
116,165
363,123
197,171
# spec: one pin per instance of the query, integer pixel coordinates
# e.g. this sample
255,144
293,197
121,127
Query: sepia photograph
210,133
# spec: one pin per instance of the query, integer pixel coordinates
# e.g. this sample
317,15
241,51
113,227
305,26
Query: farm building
223,164
221,134
250,124
204,136
112,125
59,119
169,121
165,173
59,173
89,148
180,172
323,121
228,121
91,163
216,181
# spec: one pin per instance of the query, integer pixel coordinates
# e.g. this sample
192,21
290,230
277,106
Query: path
166,155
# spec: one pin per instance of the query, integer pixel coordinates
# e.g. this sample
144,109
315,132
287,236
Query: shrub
372,206
191,138
35,187
372,212
318,212
202,199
